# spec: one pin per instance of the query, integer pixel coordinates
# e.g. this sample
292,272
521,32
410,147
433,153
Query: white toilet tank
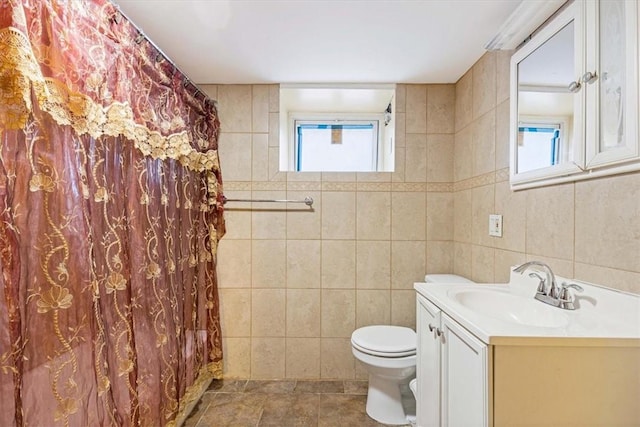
446,278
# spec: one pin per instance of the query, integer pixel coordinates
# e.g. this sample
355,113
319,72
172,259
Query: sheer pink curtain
110,214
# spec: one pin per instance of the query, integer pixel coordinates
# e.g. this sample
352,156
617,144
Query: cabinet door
612,87
428,364
465,377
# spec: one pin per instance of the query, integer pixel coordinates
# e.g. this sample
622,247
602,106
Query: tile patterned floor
253,403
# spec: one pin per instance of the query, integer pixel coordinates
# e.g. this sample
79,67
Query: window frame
377,119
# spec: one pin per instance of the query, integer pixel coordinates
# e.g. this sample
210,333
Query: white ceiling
313,41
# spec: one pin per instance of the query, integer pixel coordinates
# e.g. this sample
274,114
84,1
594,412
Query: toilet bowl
388,353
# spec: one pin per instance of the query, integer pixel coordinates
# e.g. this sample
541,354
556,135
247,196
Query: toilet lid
385,340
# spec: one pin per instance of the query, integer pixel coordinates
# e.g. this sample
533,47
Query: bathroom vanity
492,355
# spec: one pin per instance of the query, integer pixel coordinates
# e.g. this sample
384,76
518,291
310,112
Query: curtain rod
307,201
164,55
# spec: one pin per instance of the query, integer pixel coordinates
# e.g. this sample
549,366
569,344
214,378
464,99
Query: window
337,128
336,145
538,146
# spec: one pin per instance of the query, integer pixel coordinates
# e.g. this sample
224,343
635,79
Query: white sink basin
510,308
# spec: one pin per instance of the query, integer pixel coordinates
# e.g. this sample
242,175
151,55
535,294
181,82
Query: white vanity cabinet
484,368
452,372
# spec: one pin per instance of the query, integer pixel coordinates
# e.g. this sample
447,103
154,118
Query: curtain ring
139,38
116,18
159,57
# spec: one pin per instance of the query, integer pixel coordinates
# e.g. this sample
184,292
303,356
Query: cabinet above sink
574,96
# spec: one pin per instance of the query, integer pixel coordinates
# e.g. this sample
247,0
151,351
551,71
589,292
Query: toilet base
384,400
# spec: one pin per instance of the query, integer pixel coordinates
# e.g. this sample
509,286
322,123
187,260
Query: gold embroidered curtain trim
20,74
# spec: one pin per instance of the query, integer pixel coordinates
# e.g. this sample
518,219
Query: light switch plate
495,225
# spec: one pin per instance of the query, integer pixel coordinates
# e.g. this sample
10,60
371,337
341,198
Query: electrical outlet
495,225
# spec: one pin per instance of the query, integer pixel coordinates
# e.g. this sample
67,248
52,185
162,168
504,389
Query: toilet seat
385,340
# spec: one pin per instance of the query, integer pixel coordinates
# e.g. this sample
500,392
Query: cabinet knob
589,77
574,87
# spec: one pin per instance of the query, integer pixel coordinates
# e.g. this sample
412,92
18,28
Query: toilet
388,353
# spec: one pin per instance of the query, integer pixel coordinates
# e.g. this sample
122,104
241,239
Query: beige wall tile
338,215
268,220
234,108
274,129
628,281
235,312
268,313
484,84
237,216
303,263
303,313
274,98
373,219
408,216
339,264
512,205
504,260
401,130
336,360
274,165
235,150
482,205
439,257
484,144
440,216
464,101
338,313
210,90
267,358
463,154
303,222
303,358
502,135
503,75
550,222
441,102
608,222
416,111
234,263
268,263
237,357
373,176
462,259
401,98
440,149
373,264
416,158
561,267
304,176
373,307
260,157
403,308
338,176
482,264
399,169
260,108
408,260
462,214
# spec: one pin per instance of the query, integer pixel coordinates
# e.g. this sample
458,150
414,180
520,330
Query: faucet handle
566,297
541,284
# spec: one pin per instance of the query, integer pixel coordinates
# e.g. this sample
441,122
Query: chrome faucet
548,290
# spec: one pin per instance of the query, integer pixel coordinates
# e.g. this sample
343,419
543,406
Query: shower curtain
110,215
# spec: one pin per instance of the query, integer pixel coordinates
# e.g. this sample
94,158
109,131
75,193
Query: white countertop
604,317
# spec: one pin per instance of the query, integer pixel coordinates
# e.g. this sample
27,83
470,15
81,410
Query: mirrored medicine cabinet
574,96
